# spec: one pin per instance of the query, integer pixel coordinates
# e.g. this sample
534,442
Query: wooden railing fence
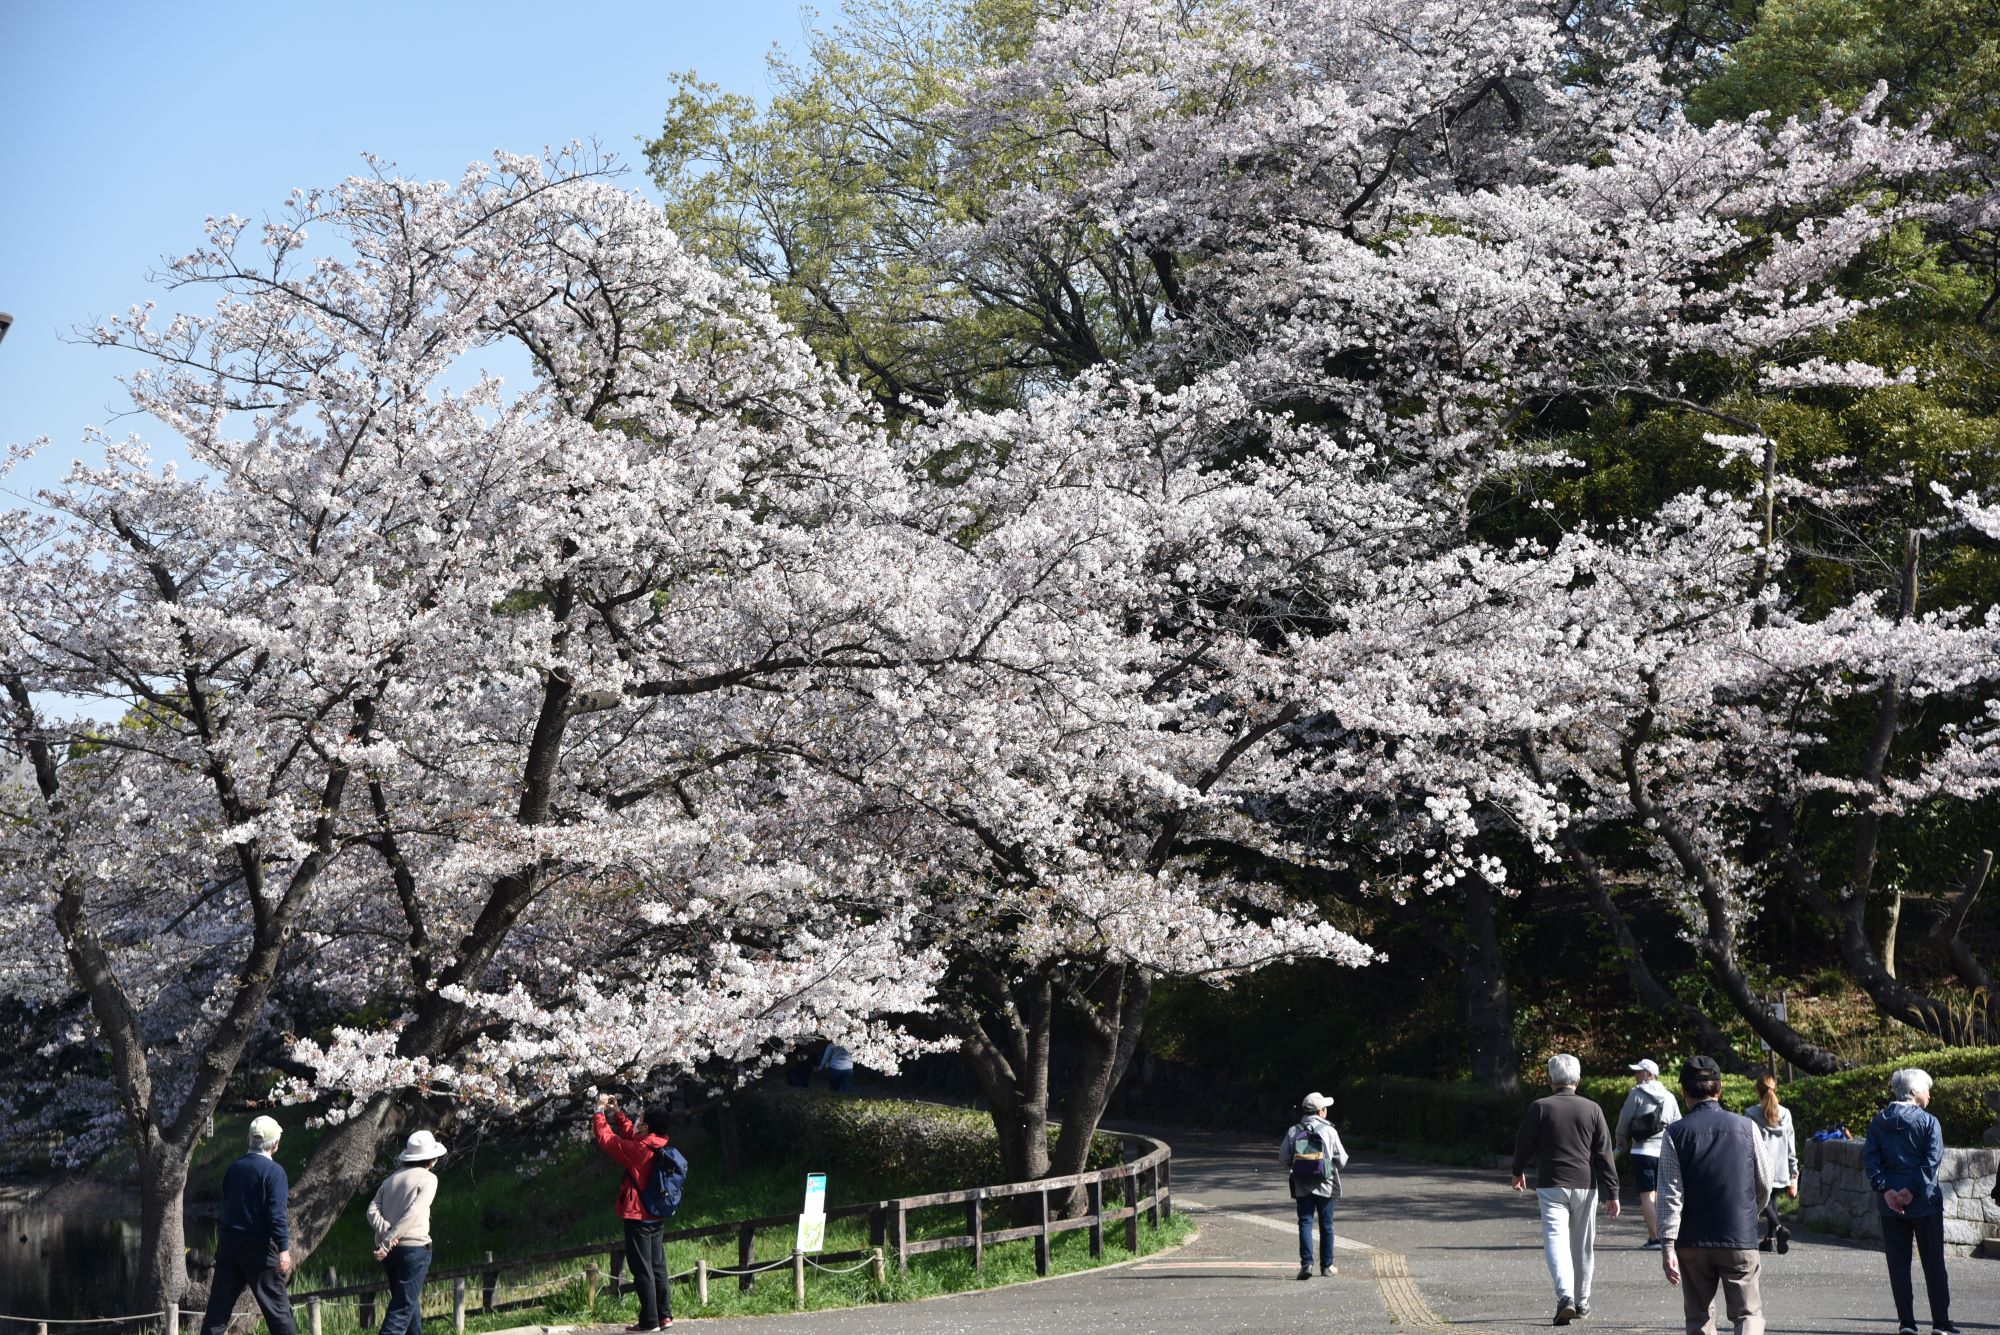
1145,1184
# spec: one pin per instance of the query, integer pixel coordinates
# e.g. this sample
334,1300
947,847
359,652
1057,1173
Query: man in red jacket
633,1147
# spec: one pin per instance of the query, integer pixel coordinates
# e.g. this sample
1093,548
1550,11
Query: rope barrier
82,1321
841,1269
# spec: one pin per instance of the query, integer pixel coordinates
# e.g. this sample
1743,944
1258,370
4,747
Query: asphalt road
1421,1247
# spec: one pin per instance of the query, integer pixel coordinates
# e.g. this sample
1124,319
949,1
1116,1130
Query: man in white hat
253,1246
1313,1157
400,1214
1650,1108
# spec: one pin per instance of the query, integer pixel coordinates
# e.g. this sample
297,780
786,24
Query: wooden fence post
457,1306
489,1284
1042,1238
170,1320
1095,1192
878,1224
902,1237
1153,1210
616,1264
701,1280
798,1280
590,1285
1132,1208
1166,1176
313,1316
975,1224
746,1254
364,1310
881,1267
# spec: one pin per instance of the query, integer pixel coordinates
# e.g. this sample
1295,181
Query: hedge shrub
1457,1116
1962,1076
921,1143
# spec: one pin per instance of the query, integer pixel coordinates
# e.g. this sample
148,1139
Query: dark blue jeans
1311,1208
1898,1232
405,1267
646,1257
247,1263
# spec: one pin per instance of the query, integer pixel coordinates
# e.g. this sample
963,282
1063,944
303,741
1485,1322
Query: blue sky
124,124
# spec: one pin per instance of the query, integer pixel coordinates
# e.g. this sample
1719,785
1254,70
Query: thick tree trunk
1489,1004
341,1165
163,1271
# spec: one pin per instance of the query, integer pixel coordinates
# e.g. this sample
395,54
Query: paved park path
1421,1247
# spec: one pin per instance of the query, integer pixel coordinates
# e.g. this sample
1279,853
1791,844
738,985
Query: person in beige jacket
400,1214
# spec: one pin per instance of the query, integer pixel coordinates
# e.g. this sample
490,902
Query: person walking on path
400,1214
636,1148
253,1248
1779,1145
1313,1157
1713,1180
838,1063
1649,1110
1566,1138
1901,1154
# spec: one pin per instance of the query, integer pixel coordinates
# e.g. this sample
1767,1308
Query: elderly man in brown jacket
1566,1137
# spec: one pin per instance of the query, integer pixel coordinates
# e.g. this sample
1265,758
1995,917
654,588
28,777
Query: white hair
1909,1082
1564,1071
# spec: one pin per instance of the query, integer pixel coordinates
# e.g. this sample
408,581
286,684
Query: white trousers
1569,1238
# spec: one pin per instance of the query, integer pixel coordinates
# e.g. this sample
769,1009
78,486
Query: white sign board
812,1218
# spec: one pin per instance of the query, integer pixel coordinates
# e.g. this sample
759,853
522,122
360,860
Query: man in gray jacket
1313,1157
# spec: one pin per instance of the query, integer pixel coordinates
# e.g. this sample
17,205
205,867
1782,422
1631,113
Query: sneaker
1565,1311
637,1330
1765,1244
1910,1329
1582,1309
1305,1272
1329,1270
1945,1330
1652,1245
1784,1239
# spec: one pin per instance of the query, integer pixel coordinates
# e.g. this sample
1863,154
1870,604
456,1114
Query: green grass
511,1199
929,1276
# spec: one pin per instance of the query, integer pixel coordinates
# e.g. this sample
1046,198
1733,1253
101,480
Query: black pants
1771,1221
405,1268
646,1254
252,1263
1898,1232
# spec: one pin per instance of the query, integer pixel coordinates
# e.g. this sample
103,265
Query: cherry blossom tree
446,695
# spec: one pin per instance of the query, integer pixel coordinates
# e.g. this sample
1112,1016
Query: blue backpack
660,1188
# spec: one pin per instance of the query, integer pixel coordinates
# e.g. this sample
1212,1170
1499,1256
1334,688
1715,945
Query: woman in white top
1779,1145
400,1214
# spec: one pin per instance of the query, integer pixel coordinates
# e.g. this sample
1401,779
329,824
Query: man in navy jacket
254,1249
1713,1180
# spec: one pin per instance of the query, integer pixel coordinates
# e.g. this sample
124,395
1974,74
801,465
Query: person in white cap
1313,1157
400,1214
253,1246
1650,1108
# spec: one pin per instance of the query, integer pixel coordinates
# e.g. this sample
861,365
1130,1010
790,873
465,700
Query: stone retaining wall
1834,1195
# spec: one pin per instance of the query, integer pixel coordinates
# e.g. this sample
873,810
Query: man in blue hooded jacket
1904,1147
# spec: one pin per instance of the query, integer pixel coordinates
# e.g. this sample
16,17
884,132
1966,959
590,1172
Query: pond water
65,1266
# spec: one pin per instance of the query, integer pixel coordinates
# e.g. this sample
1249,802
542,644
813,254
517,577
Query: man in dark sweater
1712,1187
1566,1137
253,1246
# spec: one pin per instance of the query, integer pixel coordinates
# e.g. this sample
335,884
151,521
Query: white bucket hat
422,1146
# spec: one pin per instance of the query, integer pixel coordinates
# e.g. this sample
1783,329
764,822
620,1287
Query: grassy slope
518,1199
